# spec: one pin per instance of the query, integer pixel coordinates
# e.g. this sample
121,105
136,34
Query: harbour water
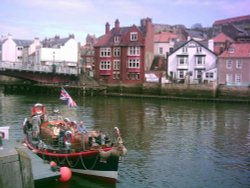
170,143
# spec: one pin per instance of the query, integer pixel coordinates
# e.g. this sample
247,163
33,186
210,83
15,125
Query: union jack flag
67,98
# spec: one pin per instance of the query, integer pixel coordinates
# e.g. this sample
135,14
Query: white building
58,51
12,49
192,62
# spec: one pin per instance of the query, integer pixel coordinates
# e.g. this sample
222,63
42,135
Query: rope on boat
92,167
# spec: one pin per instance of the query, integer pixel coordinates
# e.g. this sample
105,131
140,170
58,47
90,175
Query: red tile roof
240,50
221,37
164,37
232,20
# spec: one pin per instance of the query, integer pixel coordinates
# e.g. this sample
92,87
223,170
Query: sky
27,19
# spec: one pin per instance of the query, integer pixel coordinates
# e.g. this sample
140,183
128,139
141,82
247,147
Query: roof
164,37
24,43
195,33
203,44
55,42
232,20
108,39
239,50
222,37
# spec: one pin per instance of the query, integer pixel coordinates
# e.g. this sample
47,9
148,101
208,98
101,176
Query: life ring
2,135
68,137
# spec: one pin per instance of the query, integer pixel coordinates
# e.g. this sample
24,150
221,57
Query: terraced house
123,54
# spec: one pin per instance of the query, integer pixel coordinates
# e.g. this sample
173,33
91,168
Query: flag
67,98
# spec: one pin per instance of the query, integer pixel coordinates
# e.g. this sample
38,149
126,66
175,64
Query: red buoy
65,174
53,166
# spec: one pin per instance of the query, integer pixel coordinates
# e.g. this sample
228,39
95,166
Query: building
234,65
123,54
58,51
238,28
88,55
192,62
13,49
221,42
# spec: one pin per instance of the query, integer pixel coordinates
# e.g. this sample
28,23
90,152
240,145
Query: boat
67,143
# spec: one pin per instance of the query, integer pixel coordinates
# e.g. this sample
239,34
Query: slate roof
203,44
24,43
240,50
231,20
55,42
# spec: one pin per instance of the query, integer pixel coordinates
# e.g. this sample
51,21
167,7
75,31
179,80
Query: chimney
107,28
117,25
211,45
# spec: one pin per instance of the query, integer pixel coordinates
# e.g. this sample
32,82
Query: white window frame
181,74
229,64
229,78
105,65
117,39
105,52
209,75
199,49
116,64
134,63
184,49
198,74
116,75
134,76
197,58
184,62
238,64
134,51
238,78
161,50
133,36
116,52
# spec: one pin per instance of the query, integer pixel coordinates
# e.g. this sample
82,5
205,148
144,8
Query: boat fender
2,135
68,137
104,155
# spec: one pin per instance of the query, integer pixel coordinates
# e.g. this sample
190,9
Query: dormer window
117,39
230,50
133,36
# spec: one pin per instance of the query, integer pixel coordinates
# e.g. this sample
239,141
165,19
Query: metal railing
38,68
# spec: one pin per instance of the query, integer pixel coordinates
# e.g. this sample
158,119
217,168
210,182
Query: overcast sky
27,19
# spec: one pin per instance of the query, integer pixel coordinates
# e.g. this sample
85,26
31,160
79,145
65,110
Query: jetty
20,167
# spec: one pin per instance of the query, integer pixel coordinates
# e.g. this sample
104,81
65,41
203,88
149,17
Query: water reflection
170,143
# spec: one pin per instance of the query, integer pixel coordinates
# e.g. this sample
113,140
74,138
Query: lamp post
53,65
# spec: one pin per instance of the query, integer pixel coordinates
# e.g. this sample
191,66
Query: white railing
38,68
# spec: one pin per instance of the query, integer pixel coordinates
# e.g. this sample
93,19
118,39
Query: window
229,64
105,52
160,50
182,60
199,49
229,78
134,51
198,74
184,50
209,75
19,48
200,60
116,52
133,36
105,65
133,76
134,63
117,39
116,75
181,74
230,50
116,65
238,78
238,64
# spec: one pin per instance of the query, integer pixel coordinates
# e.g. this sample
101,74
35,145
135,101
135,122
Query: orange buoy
65,174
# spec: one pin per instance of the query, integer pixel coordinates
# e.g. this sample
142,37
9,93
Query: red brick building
123,54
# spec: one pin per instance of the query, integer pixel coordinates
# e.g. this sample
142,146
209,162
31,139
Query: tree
197,26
